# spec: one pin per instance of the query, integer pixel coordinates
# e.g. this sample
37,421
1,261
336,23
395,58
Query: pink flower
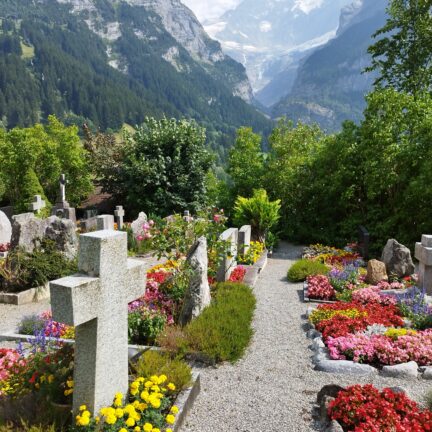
140,238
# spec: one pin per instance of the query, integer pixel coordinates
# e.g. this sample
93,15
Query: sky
207,10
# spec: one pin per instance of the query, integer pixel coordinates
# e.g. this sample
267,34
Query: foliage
223,330
158,363
144,326
24,427
413,305
365,408
303,268
33,158
30,323
22,270
253,254
246,163
257,211
402,54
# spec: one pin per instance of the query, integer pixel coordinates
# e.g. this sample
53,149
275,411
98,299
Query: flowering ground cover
367,409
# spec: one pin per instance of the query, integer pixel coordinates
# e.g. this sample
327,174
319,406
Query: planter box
32,295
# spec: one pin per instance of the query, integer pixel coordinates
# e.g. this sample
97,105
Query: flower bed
366,409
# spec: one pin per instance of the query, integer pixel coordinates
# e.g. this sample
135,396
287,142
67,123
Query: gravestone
62,209
423,252
197,295
363,242
9,211
5,229
105,222
119,214
187,216
137,224
244,239
397,259
229,261
95,301
37,205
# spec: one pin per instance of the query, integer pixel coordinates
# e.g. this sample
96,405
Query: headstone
62,209
28,230
95,301
90,213
9,211
244,239
137,224
376,272
229,261
89,224
187,216
119,214
363,242
105,222
37,205
5,229
397,259
423,252
197,295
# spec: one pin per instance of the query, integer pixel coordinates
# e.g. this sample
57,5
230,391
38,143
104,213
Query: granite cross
38,204
62,181
95,301
119,214
423,252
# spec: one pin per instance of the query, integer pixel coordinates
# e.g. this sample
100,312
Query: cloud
307,6
208,10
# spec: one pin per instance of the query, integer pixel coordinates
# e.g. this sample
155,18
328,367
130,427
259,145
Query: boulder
28,231
137,224
427,373
334,426
376,272
5,229
345,367
403,370
397,259
197,296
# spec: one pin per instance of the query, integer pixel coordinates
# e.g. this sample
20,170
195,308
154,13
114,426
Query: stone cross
37,205
119,214
423,252
105,222
62,180
95,301
229,262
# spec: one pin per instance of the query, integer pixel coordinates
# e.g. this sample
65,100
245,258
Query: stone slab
32,295
423,254
402,370
345,367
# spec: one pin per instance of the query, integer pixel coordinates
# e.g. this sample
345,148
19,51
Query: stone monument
5,229
230,236
95,301
37,205
423,252
197,295
137,224
105,222
119,214
244,239
397,259
62,208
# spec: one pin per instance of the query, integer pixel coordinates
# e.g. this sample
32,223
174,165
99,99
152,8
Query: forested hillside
110,63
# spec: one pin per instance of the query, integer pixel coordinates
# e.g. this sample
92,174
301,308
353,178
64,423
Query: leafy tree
37,156
164,167
403,56
246,162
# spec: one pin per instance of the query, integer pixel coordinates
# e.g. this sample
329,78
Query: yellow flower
148,384
68,392
174,409
170,419
148,427
156,430
118,396
154,379
155,389
82,420
171,386
97,419
70,383
86,414
50,379
144,395
123,430
162,379
137,429
168,430
119,413
42,379
130,422
129,409
118,402
110,419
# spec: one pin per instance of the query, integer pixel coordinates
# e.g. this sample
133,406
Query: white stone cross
119,214
423,252
62,182
38,204
95,301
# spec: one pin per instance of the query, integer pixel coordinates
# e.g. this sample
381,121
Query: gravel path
274,387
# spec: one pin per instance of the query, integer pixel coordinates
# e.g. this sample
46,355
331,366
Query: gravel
274,387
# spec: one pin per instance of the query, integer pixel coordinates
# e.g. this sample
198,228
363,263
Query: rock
427,374
28,231
312,333
321,354
403,370
5,229
398,389
318,343
137,224
334,427
197,295
397,259
325,402
331,390
376,272
345,367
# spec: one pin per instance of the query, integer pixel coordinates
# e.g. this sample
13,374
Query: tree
164,167
246,162
403,56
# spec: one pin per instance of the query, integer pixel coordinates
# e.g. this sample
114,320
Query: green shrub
30,323
24,427
157,363
303,268
144,326
223,331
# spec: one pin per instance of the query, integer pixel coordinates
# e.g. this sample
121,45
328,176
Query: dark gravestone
363,242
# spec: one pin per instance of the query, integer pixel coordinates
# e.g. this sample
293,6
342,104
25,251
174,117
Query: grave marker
95,301
105,222
119,214
423,252
363,242
62,208
229,262
244,239
37,205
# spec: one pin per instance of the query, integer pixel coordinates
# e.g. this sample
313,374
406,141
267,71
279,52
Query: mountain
113,62
269,37
330,87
